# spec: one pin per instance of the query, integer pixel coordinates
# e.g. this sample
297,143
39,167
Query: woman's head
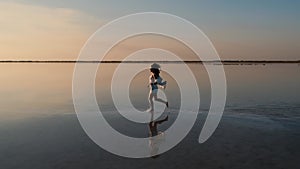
154,68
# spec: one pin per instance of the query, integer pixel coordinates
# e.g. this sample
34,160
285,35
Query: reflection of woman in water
156,137
155,80
153,126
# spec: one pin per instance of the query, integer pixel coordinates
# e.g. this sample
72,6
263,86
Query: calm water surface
29,90
260,128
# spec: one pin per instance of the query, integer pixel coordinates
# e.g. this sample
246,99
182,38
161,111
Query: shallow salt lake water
30,89
259,128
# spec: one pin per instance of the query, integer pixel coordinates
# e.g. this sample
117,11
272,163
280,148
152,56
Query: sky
58,29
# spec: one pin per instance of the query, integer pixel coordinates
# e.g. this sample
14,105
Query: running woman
154,82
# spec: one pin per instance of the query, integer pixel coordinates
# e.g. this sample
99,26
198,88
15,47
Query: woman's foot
150,110
167,104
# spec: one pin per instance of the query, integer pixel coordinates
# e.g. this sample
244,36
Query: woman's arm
161,82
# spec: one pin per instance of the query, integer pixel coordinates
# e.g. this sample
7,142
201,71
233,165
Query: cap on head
155,66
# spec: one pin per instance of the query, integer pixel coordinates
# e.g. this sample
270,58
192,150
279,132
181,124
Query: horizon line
147,61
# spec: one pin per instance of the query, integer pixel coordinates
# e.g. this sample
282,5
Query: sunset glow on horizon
57,30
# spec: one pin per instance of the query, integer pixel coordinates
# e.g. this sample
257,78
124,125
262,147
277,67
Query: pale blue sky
251,29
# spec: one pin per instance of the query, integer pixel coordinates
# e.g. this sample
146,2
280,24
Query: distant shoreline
118,61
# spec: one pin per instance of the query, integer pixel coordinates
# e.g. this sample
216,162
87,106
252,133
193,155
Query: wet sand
240,141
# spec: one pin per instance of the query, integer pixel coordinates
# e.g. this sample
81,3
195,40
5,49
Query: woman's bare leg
150,99
159,99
